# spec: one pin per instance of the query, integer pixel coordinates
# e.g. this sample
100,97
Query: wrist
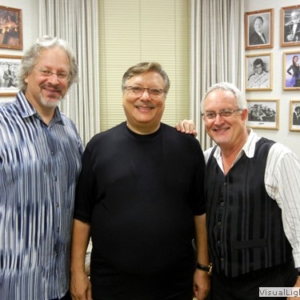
205,268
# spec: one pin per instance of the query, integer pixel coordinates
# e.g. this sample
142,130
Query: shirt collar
27,110
248,148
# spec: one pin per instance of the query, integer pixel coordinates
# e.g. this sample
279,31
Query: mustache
57,88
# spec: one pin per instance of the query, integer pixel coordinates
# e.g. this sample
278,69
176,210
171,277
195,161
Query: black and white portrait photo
9,67
259,29
295,115
258,71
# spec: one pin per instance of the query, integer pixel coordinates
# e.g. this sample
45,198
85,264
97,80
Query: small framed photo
9,67
263,114
295,115
290,26
259,29
291,70
11,35
259,72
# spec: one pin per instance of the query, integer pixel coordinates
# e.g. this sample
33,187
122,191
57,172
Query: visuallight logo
269,292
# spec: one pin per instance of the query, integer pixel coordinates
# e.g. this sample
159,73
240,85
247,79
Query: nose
53,78
218,119
145,94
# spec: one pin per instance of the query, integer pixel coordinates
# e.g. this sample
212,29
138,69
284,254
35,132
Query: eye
155,92
62,75
210,115
46,72
137,89
226,113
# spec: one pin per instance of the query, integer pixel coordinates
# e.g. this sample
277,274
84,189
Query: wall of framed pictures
272,70
18,30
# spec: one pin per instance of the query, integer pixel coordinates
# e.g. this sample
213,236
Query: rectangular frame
263,18
259,81
263,114
295,115
9,82
11,34
291,72
290,26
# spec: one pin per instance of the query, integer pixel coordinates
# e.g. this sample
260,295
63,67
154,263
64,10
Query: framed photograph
11,35
259,72
263,114
259,29
295,115
290,26
291,70
9,67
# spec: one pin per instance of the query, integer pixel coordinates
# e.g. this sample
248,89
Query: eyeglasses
138,91
224,113
60,75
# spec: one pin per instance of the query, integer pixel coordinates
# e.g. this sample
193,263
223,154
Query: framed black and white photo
263,114
259,72
295,115
290,26
9,67
291,70
11,35
259,29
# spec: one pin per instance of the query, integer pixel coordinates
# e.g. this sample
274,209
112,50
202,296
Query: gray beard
50,104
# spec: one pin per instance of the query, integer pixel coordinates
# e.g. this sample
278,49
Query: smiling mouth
144,107
220,129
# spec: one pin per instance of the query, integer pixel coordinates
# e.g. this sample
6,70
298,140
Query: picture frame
9,67
259,72
11,33
295,115
263,114
259,29
290,26
291,70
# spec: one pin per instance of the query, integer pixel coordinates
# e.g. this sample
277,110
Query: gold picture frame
259,29
295,115
11,34
263,114
290,26
259,72
291,70
9,65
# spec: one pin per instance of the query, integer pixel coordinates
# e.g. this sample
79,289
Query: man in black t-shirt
140,198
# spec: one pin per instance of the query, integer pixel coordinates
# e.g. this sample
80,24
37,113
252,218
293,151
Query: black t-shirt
140,194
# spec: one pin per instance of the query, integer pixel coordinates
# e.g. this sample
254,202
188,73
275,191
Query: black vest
244,224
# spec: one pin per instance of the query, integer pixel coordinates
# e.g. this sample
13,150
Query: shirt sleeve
282,182
84,190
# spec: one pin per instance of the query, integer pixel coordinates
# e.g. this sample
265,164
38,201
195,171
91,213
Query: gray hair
32,54
226,86
145,67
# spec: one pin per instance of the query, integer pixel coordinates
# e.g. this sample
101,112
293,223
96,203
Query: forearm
201,240
80,239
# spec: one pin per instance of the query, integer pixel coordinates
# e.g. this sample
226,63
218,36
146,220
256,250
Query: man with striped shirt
40,160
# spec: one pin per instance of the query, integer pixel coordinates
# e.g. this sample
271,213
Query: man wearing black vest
253,203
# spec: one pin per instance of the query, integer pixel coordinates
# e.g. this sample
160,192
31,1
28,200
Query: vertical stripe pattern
39,166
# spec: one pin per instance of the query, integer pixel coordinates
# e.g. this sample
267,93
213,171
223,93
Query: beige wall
283,135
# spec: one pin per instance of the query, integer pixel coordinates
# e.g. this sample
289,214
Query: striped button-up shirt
39,167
